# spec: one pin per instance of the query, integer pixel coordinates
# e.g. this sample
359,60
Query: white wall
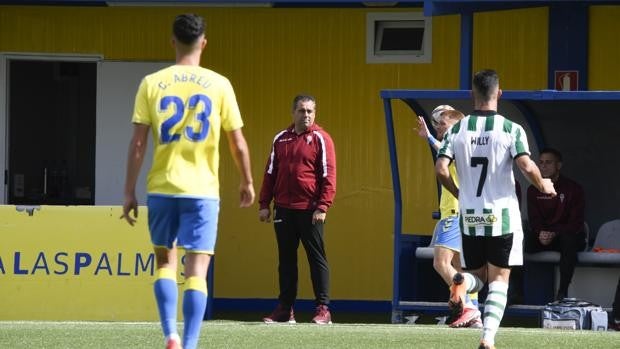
117,83
596,285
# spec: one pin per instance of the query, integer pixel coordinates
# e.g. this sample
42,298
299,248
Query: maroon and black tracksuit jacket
563,214
301,171
300,177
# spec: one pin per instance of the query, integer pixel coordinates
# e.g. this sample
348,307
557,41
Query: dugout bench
540,273
548,117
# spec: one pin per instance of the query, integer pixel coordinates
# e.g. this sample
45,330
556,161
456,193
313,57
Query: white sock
472,283
494,307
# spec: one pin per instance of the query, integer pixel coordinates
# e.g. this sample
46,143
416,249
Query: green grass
241,334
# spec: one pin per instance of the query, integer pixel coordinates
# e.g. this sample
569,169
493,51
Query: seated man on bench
557,223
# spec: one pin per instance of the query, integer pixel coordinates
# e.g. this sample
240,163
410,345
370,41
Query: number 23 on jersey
198,103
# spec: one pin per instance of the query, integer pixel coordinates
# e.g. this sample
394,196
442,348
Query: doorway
51,126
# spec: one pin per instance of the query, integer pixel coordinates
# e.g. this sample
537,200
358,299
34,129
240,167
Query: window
398,38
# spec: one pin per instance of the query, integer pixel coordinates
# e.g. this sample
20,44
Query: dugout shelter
577,123
567,116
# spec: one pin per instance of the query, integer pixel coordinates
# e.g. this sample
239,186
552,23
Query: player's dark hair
188,27
552,151
302,98
484,83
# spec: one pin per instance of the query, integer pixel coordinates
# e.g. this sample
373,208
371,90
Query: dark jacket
563,214
301,170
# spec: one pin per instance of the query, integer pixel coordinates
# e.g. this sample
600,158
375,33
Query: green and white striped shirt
484,148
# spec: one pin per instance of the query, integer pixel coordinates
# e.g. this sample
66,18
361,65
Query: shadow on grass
362,318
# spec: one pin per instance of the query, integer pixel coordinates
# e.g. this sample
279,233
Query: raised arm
532,173
423,132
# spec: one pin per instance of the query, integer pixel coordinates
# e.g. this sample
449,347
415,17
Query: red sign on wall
566,80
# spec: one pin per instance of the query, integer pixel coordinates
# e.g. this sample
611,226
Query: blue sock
194,305
166,295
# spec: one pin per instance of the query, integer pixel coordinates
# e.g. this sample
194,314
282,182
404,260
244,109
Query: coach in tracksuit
300,177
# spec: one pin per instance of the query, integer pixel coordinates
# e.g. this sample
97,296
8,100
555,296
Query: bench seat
586,257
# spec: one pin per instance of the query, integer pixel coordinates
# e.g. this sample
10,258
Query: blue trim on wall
539,95
568,41
267,305
450,7
467,44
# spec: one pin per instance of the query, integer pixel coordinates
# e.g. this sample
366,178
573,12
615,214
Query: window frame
377,22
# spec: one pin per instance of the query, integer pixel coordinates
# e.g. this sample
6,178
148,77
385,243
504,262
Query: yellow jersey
448,204
186,106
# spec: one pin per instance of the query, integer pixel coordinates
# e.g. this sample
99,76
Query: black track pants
568,245
293,226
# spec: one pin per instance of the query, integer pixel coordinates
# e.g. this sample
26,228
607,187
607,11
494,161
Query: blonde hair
446,111
452,114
